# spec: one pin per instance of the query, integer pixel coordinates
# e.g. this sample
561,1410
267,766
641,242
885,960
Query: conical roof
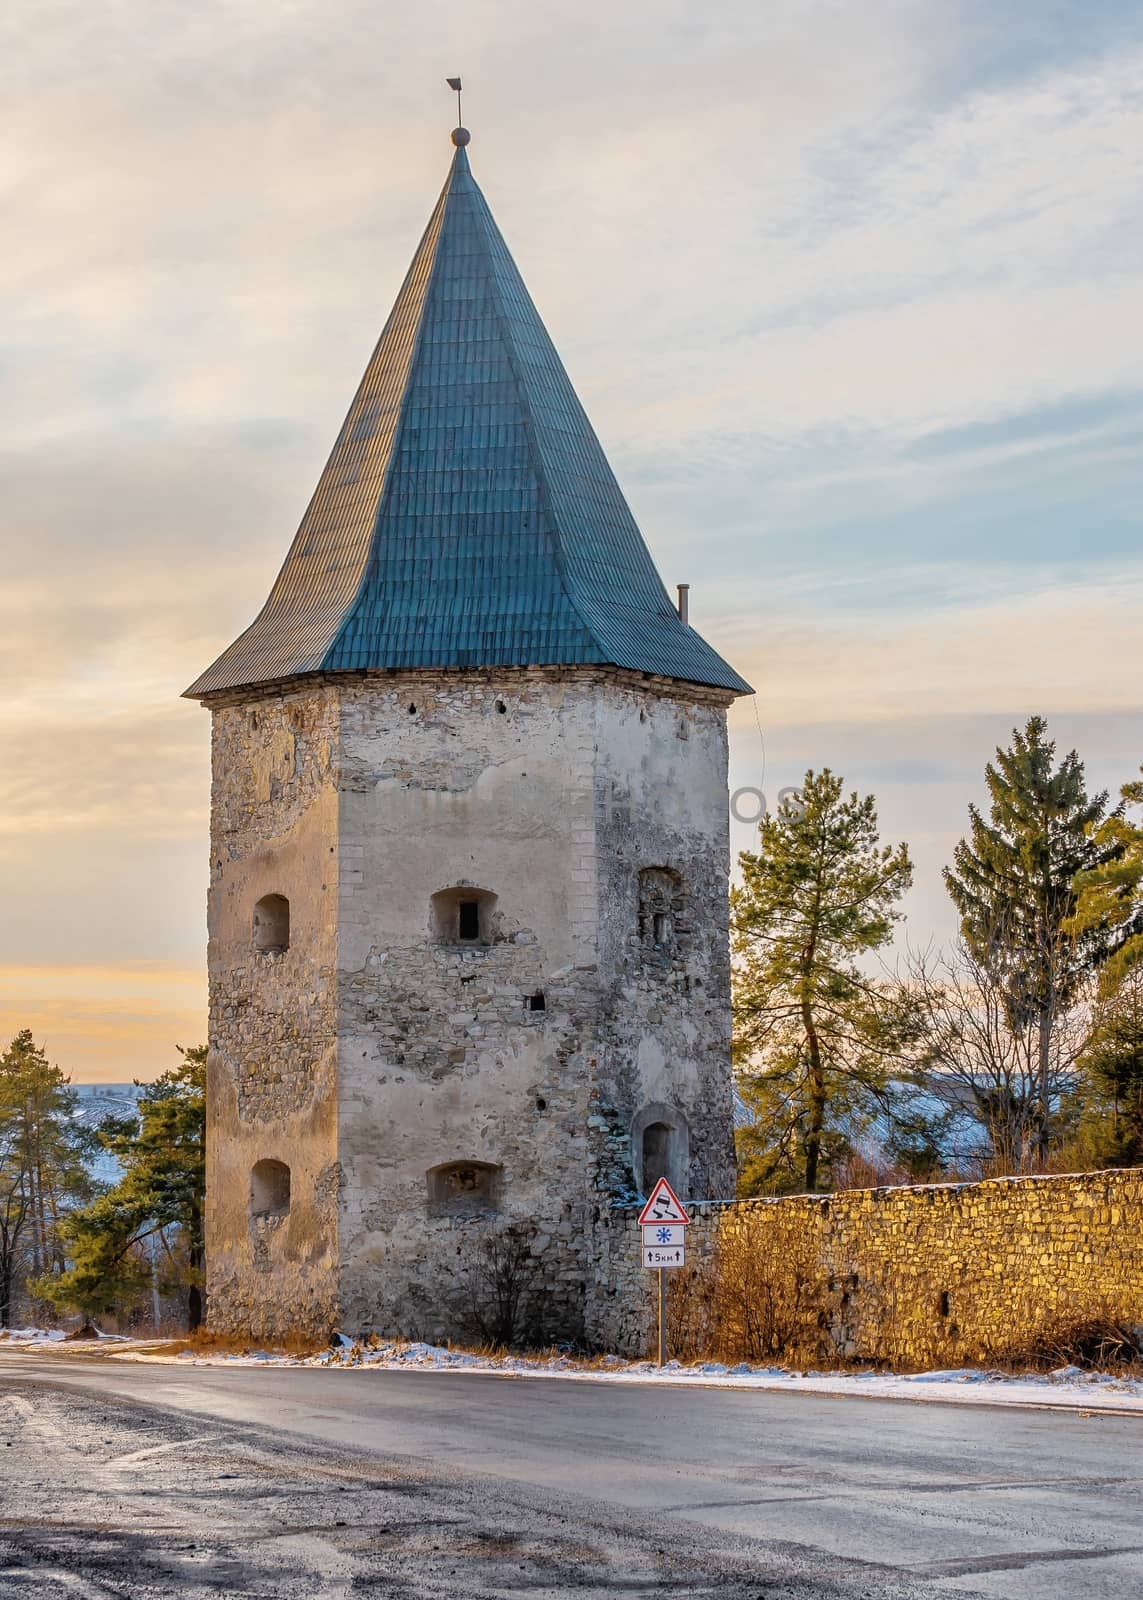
467,516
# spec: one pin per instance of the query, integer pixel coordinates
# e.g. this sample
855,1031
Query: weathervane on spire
460,130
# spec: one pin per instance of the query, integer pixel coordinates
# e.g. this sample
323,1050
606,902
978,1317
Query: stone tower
469,849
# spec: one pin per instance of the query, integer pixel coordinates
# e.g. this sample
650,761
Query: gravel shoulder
105,1497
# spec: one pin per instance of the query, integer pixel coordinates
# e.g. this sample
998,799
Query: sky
852,296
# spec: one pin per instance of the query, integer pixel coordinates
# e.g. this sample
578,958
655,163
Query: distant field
99,1100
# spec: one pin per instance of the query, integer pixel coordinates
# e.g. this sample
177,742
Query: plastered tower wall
663,850
664,1041
557,792
481,783
378,1048
271,1086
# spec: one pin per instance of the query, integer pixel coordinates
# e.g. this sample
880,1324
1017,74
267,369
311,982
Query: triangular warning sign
663,1206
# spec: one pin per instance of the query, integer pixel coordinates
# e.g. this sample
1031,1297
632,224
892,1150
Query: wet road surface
139,1480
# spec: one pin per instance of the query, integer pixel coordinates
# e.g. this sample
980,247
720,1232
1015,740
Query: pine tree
1113,1066
42,1164
1109,897
1012,882
162,1153
820,894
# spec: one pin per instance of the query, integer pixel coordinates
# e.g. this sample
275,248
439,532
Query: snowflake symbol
664,1235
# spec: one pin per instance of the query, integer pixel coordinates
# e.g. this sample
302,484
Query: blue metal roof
467,516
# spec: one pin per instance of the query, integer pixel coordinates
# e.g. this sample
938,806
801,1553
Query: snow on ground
1068,1387
34,1337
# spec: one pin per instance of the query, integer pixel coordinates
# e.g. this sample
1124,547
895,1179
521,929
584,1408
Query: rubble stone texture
426,1091
941,1275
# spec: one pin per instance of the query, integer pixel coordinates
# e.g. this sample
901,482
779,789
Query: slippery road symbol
663,1206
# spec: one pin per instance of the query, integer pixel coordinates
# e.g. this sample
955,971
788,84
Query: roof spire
467,516
460,134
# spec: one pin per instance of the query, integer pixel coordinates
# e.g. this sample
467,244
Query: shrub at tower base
111,1243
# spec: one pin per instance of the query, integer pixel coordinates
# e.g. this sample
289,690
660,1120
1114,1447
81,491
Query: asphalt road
643,1490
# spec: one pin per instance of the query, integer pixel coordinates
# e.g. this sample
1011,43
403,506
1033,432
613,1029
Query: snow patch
1067,1387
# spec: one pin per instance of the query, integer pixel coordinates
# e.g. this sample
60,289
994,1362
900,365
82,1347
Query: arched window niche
464,916
269,1189
660,1148
463,1188
272,925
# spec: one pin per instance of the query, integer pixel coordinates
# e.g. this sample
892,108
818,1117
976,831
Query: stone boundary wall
943,1274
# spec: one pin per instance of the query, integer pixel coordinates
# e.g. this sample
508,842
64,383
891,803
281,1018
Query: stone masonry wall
383,1060
662,846
465,784
552,791
662,1053
944,1275
271,1084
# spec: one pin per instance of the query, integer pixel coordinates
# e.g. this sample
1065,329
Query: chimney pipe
684,603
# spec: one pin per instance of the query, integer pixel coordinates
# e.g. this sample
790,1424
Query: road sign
663,1233
663,1206
672,1255
662,1220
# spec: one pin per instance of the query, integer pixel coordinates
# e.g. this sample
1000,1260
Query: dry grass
204,1343
1099,1340
761,1299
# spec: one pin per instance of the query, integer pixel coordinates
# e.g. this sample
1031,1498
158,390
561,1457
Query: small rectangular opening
468,919
659,927
536,1001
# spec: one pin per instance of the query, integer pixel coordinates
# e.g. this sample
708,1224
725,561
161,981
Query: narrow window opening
536,1002
541,1103
464,915
943,1303
656,1154
501,707
272,924
269,1189
660,1147
412,709
660,927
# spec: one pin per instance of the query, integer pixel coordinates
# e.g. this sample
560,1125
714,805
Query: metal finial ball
460,137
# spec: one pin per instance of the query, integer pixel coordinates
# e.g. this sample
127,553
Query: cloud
106,1023
855,309
1052,647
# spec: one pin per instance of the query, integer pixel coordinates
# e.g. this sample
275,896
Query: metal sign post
662,1316
662,1221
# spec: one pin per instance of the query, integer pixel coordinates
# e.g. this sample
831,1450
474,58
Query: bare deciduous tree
985,1066
501,1282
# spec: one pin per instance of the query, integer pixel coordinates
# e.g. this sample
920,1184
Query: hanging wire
761,741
